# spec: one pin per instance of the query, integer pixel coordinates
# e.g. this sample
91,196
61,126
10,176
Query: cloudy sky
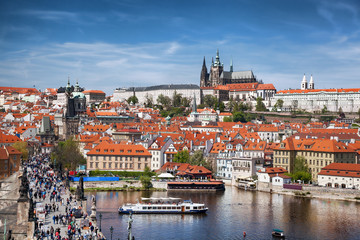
122,43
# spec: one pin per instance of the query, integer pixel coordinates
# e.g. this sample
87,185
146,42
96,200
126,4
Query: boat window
187,208
150,207
168,207
177,207
144,207
195,207
155,208
173,207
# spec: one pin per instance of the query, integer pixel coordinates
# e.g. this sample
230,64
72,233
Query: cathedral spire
231,65
194,104
217,60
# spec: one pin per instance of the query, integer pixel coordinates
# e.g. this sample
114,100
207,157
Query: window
139,165
104,165
109,165
116,165
96,165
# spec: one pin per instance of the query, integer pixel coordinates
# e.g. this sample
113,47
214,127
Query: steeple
194,104
311,83
217,60
212,61
231,65
77,88
68,87
304,83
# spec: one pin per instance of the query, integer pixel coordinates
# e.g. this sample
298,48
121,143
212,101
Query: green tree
148,101
260,106
164,101
133,100
278,105
146,182
68,154
228,119
301,170
176,100
239,117
210,101
186,102
23,148
324,110
182,157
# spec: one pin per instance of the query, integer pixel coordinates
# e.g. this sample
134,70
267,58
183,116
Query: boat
246,183
207,186
277,233
163,205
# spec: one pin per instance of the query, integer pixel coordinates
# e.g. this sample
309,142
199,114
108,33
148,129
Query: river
230,214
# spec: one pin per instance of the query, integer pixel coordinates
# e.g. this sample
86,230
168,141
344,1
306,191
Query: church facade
217,76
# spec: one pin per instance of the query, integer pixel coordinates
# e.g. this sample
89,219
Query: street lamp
100,216
111,232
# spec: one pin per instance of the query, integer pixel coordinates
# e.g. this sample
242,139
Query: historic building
143,93
318,153
118,157
10,160
217,75
314,100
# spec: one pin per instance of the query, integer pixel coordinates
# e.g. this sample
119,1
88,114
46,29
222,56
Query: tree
301,170
186,101
23,148
164,101
146,182
260,106
133,100
68,154
278,105
209,101
182,157
148,101
324,110
239,117
228,119
176,100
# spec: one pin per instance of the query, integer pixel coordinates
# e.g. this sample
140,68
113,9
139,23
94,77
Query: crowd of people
58,216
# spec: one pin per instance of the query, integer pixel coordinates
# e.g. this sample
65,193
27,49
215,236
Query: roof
341,169
93,91
335,90
237,75
113,149
160,87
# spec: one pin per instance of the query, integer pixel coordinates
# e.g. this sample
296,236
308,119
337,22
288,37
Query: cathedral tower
304,83
311,83
204,76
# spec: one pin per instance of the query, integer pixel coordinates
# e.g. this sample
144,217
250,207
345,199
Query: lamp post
111,232
100,216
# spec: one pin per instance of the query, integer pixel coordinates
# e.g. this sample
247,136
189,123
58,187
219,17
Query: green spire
194,105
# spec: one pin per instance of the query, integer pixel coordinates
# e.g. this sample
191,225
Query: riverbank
319,193
94,189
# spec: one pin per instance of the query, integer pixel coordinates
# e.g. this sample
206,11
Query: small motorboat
277,233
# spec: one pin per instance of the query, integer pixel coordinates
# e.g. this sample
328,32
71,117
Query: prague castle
217,75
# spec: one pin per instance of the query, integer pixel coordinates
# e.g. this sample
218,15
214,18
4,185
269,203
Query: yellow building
317,152
117,157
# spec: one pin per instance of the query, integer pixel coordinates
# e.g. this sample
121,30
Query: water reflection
230,213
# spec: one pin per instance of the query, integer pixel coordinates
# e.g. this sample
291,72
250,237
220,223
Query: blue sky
123,43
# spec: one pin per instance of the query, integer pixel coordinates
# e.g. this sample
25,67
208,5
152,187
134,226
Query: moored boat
163,205
277,233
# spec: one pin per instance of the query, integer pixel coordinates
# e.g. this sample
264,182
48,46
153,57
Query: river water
230,214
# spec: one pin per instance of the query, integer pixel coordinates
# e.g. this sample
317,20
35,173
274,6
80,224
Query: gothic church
217,75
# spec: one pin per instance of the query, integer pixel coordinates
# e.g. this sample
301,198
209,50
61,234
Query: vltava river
230,214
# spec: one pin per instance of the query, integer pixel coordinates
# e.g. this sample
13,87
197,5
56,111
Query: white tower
311,83
304,83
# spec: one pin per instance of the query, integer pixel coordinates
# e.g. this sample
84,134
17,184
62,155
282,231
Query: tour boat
163,205
277,233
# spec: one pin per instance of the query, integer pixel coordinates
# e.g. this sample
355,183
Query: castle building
314,100
217,75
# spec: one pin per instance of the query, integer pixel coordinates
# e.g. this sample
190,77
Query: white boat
163,205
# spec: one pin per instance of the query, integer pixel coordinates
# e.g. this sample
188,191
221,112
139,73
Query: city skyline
142,43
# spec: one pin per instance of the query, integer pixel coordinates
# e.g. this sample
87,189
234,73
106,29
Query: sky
112,44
